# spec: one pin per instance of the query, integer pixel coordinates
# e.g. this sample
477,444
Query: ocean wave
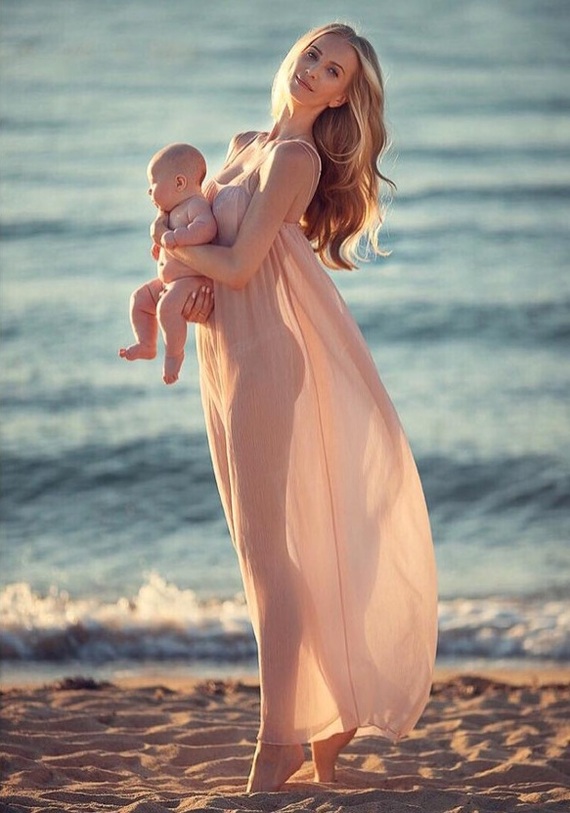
87,467
165,460
65,229
151,474
88,493
539,192
505,628
476,153
540,483
62,398
527,324
160,622
164,622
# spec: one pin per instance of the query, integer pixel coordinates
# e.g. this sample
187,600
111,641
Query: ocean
115,556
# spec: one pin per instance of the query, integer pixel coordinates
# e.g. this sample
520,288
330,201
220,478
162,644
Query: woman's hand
199,305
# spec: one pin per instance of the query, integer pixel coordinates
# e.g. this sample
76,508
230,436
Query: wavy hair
351,139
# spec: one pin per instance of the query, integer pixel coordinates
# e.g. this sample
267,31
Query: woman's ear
338,102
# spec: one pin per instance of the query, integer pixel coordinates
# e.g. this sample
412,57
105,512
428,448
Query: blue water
113,540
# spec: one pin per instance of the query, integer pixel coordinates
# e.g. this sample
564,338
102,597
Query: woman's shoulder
295,156
241,140
296,149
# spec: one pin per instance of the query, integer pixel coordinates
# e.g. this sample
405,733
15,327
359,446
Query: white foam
163,621
502,628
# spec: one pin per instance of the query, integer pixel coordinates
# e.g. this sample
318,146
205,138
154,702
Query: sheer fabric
321,495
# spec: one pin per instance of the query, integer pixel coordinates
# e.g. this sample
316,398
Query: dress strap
317,166
310,148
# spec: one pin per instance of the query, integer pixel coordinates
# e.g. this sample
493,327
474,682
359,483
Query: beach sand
488,742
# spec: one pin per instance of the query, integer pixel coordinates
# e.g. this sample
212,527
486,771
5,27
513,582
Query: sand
485,743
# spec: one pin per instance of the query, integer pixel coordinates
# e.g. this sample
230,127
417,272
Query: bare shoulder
242,138
239,141
294,150
291,159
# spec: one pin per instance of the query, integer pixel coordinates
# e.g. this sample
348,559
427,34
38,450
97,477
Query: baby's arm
168,268
158,227
201,226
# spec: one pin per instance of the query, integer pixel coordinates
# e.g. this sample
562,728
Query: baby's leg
143,320
173,324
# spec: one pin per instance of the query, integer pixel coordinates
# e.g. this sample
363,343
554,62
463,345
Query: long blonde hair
350,139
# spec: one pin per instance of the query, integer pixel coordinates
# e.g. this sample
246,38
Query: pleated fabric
321,494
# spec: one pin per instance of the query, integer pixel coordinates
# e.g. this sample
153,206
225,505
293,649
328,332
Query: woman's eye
311,54
333,71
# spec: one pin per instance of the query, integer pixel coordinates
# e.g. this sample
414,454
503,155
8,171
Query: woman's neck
294,125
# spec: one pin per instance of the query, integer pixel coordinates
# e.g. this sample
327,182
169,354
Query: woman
318,484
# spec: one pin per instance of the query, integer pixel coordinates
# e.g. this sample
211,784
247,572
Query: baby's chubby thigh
175,296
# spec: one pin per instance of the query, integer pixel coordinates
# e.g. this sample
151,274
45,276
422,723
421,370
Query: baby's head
175,173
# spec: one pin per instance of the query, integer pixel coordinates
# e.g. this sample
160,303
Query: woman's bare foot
137,351
172,365
273,765
325,753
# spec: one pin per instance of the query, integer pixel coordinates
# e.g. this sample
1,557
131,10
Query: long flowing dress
321,494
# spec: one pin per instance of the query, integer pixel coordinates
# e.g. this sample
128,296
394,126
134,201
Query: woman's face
323,72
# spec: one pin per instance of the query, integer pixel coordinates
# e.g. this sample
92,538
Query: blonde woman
320,490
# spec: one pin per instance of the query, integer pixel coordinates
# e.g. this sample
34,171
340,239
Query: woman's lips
303,83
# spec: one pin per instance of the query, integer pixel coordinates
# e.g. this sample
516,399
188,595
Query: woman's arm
284,177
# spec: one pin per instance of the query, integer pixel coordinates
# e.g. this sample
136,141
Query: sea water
114,547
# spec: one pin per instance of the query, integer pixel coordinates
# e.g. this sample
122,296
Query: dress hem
364,730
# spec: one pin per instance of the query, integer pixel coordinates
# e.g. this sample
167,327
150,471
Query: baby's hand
169,240
155,251
158,226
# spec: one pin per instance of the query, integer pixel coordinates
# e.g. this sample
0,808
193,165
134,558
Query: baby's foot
172,365
138,351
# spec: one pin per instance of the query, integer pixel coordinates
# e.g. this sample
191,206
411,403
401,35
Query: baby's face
162,186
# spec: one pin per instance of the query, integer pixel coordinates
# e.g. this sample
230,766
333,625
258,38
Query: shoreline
489,741
174,675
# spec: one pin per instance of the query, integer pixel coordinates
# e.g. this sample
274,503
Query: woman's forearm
282,180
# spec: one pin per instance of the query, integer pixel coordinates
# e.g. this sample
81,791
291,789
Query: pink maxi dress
321,494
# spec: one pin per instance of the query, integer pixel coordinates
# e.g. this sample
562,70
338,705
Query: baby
175,175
